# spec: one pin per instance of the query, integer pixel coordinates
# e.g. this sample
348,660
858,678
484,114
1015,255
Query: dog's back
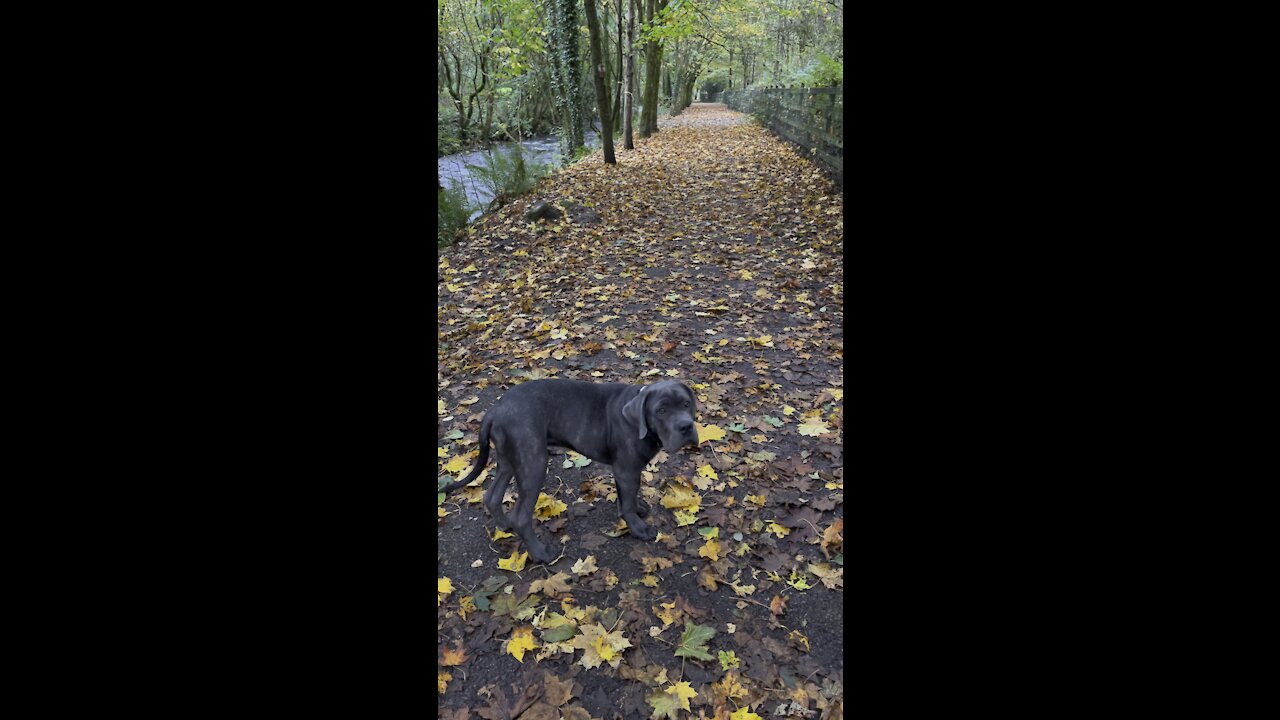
554,392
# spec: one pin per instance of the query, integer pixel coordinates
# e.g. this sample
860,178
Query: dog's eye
662,411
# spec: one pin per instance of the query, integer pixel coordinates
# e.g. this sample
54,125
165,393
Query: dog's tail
480,461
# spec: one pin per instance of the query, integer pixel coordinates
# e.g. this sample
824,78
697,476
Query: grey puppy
612,423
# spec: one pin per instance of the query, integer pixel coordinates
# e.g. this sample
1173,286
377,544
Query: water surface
542,150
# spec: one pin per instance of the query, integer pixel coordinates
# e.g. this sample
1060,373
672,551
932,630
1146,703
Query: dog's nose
686,428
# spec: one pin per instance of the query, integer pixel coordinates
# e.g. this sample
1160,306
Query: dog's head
668,410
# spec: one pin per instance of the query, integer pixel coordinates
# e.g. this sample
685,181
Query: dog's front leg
628,480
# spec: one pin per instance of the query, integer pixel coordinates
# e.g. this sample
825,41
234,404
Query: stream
542,150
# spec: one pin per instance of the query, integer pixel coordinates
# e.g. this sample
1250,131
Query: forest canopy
513,69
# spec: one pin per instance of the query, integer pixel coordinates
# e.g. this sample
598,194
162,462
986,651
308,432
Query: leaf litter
716,261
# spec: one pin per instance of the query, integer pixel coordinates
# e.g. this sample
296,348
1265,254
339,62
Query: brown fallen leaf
540,711
455,656
557,690
778,605
833,537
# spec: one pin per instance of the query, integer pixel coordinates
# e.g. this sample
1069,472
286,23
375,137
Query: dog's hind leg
530,472
497,489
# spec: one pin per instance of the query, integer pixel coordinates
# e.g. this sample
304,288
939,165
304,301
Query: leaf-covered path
711,254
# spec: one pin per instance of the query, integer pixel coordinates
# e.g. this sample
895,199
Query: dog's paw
644,532
541,555
642,508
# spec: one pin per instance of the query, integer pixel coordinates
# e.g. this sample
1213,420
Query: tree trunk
488,120
652,76
652,73
617,76
597,74
566,75
629,77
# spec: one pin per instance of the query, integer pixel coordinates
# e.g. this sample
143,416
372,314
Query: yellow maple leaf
521,640
685,517
466,604
516,562
707,471
729,687
709,432
667,614
788,410
548,507
442,681
649,580
756,499
585,566
498,534
710,549
440,407
813,427
444,586
763,340
678,495
837,393
744,713
441,512
470,268
775,528
442,452
745,275
456,465
685,692
831,577
599,645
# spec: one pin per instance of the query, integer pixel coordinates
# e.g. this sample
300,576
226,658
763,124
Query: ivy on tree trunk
566,73
597,74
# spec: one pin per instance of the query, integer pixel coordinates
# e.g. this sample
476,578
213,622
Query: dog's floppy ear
634,411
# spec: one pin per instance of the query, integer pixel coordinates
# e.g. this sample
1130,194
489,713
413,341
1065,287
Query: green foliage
453,211
718,77
447,130
693,643
507,173
517,38
822,70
